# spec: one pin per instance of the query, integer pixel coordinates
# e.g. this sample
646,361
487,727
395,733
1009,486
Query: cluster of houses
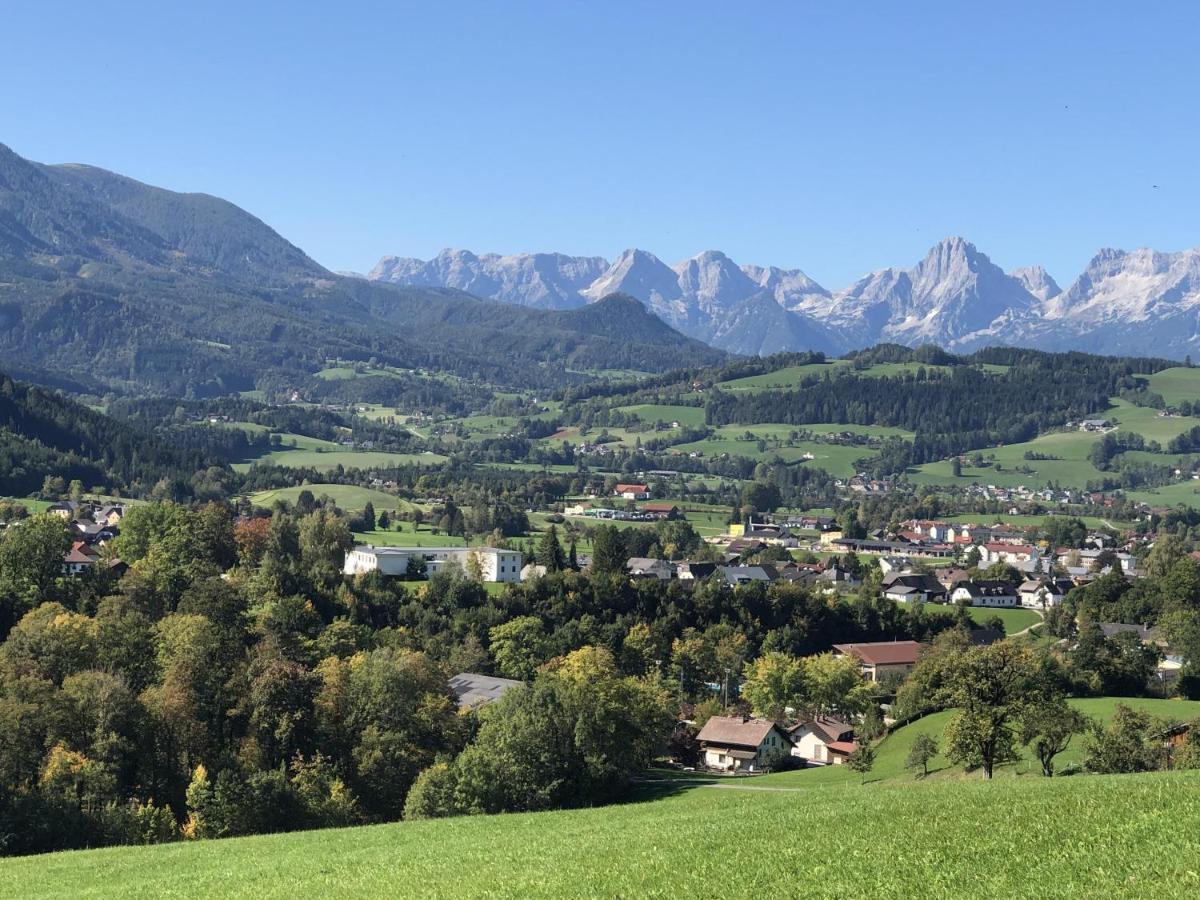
92,526
733,572
647,512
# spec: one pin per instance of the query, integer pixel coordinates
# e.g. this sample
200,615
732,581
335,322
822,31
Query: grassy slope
1176,384
817,832
349,497
1022,837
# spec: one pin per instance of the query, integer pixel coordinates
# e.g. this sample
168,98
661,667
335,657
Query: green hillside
1069,837
819,831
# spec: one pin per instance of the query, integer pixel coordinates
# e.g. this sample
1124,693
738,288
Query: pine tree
550,552
572,556
368,517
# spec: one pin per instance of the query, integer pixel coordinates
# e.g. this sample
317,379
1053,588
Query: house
79,559
109,514
494,564
985,593
836,571
822,741
642,567
736,575
882,658
64,509
632,491
475,690
949,576
741,744
996,551
913,586
694,571
1147,634
1095,425
1041,593
662,510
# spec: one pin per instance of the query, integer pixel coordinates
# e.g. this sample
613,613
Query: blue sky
836,140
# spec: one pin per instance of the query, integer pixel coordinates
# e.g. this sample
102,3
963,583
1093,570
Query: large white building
495,564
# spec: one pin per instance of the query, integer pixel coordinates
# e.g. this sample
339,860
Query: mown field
1176,384
346,496
301,451
814,833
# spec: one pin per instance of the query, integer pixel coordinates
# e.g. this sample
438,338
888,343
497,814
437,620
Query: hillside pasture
1124,835
1176,384
347,496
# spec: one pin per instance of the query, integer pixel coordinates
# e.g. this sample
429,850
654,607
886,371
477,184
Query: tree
956,467
385,521
519,647
608,551
574,737
834,684
924,748
862,760
368,516
31,556
549,551
991,687
1122,746
773,683
415,568
1047,728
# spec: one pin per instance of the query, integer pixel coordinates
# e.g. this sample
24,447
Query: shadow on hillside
650,790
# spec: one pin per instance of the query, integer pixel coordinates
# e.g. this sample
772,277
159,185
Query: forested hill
107,284
42,432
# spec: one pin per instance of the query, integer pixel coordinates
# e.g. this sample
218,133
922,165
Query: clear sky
833,137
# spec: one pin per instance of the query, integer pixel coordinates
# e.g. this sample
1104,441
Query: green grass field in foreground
817,832
1131,836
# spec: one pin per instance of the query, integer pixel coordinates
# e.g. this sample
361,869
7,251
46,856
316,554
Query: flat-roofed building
494,564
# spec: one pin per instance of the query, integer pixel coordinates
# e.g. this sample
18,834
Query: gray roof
475,690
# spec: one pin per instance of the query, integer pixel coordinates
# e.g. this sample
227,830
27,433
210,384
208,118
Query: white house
1038,594
494,564
985,593
737,743
823,741
632,491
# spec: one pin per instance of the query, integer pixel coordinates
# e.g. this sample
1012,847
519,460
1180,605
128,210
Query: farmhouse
985,593
632,491
494,564
882,658
822,741
738,743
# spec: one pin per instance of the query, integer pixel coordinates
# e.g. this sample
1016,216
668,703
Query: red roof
883,653
843,747
634,488
1009,548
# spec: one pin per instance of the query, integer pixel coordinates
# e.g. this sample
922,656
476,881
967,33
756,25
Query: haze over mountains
1141,302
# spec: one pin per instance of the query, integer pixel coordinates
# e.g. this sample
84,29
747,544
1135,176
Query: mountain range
111,285
1141,302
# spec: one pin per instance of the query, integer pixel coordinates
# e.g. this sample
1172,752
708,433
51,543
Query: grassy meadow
818,832
346,496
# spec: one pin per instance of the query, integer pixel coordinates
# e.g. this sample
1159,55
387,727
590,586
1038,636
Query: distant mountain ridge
109,284
1138,302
